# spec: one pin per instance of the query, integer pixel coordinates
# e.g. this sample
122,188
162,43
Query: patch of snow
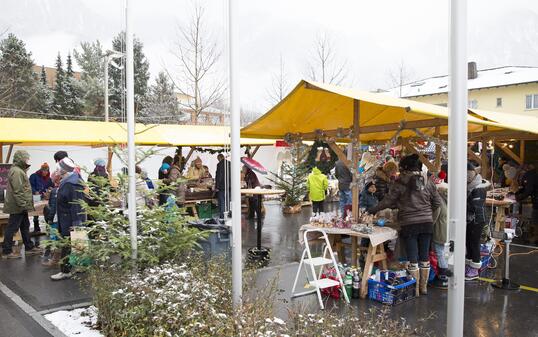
76,323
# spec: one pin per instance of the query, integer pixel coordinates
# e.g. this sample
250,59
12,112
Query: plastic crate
205,210
217,243
391,295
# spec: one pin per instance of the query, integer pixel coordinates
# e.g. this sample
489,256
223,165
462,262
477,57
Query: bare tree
197,54
279,84
248,115
325,66
399,76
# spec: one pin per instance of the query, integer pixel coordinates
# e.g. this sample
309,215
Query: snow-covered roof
487,78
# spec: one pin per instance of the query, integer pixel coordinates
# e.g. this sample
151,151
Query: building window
473,104
531,101
499,102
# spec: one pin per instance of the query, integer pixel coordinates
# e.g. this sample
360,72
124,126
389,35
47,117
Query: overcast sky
372,37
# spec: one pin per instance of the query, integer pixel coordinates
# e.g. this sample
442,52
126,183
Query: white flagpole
129,72
237,281
457,162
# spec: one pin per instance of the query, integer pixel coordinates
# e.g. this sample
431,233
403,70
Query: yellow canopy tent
315,106
314,110
25,132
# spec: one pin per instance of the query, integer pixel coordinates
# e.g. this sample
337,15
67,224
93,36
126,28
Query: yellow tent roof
315,106
516,121
22,131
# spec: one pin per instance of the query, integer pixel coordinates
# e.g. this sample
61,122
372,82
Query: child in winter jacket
317,184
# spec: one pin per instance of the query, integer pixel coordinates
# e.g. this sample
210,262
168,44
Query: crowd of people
421,198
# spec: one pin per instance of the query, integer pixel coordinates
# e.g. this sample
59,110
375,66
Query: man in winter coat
476,219
223,184
317,184
344,176
17,204
69,210
416,198
175,177
41,183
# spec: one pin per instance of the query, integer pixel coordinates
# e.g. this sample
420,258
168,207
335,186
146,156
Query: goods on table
329,220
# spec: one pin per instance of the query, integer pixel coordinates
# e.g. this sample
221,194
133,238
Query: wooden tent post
522,150
110,155
1,153
355,160
8,157
255,150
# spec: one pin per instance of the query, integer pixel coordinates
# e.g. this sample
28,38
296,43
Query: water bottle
356,285
348,283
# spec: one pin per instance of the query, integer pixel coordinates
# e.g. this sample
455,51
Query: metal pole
129,73
237,281
457,163
106,88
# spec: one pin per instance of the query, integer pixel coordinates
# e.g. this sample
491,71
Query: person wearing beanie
344,176
440,235
164,172
41,184
168,160
476,220
416,198
18,202
59,156
384,178
69,209
97,180
367,198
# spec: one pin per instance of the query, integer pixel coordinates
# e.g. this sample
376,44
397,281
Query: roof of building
487,78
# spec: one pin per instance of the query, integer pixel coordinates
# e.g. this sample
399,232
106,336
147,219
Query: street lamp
110,55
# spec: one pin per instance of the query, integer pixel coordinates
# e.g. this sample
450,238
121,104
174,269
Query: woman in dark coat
69,210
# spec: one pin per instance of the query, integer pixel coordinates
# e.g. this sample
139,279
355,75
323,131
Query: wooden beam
110,156
340,153
380,128
255,150
424,160
522,150
473,156
438,149
509,152
355,160
502,135
1,153
9,151
191,151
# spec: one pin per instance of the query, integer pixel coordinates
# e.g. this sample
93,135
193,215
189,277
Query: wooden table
500,210
4,218
259,193
375,252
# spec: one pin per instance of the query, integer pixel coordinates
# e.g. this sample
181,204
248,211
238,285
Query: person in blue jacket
69,210
41,183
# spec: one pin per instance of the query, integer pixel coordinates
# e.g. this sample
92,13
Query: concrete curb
36,316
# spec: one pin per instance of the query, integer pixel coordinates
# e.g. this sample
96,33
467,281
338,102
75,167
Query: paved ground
488,312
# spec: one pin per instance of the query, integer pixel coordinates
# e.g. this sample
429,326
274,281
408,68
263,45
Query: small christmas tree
292,178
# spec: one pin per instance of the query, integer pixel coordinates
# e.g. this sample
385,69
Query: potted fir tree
292,179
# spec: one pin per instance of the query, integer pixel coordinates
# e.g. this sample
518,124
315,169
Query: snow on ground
76,323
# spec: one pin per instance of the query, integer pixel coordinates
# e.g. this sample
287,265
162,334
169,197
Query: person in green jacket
317,184
18,202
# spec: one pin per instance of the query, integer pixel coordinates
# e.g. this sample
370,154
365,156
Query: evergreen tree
161,105
292,177
44,93
117,76
43,75
91,63
59,102
17,79
73,91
